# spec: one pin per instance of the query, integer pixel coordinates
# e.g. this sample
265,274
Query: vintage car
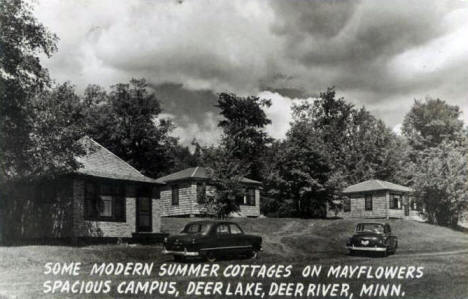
373,237
211,240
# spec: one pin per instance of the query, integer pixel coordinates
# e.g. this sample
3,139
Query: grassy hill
298,242
299,239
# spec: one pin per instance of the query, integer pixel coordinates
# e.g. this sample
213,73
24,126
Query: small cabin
376,199
105,199
182,190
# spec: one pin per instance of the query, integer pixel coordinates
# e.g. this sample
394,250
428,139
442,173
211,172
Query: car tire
385,253
210,257
178,258
253,254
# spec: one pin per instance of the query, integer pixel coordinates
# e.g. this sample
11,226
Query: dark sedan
211,240
373,237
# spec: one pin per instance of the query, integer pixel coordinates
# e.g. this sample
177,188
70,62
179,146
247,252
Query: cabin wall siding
381,204
93,228
251,211
186,206
188,203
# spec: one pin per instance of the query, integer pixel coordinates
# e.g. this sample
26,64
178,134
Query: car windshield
196,228
370,228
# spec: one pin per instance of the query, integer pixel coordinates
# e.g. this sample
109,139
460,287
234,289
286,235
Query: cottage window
347,205
368,202
175,195
395,201
241,198
104,201
251,197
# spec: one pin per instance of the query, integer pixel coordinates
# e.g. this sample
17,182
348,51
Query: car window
196,228
222,229
235,230
370,228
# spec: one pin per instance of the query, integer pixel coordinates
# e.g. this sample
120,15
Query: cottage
376,199
181,194
105,198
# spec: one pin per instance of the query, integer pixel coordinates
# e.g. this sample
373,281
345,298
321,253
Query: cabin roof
98,161
375,185
201,173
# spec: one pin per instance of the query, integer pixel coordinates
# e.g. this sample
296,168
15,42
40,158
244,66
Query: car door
223,240
239,241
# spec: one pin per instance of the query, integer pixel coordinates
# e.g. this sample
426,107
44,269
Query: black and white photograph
234,149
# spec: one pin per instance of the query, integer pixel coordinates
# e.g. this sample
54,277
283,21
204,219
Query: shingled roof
100,162
198,172
375,185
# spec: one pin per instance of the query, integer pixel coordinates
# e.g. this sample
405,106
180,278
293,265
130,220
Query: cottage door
406,206
143,210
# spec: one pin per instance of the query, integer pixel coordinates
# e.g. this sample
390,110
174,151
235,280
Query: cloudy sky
381,54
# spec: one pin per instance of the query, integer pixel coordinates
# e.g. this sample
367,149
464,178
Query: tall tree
440,181
127,122
26,150
244,136
431,122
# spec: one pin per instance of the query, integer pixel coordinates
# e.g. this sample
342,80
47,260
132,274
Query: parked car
211,240
373,237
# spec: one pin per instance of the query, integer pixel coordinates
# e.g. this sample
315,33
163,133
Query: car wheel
385,253
253,254
178,258
211,257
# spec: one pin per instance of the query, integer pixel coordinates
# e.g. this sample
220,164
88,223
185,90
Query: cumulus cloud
381,54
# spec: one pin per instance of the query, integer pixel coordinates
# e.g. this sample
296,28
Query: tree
440,183
126,122
430,123
27,150
244,135
330,145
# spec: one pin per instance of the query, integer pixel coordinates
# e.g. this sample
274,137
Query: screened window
347,205
104,201
368,202
175,195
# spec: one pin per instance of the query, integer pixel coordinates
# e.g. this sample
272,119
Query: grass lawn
441,251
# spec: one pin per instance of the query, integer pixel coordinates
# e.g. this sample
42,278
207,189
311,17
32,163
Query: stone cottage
182,193
105,198
377,199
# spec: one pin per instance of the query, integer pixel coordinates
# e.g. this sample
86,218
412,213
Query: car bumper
376,249
182,253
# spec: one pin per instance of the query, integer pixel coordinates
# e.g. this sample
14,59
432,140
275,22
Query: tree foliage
126,121
431,122
29,149
244,137
440,181
436,164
